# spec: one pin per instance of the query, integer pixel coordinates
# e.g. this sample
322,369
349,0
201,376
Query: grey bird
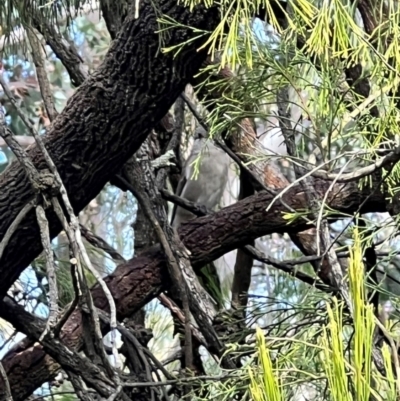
209,185
205,189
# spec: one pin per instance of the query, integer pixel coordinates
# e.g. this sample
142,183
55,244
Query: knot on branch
46,183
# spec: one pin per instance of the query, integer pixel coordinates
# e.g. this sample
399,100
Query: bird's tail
210,281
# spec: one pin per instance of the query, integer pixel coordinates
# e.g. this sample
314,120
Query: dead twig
64,50
3,375
175,271
100,243
74,233
50,269
14,225
44,84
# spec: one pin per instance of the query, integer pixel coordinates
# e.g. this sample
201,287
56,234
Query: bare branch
176,311
23,140
22,156
14,225
100,243
70,360
287,267
72,230
389,160
44,84
195,208
6,383
50,270
79,252
64,50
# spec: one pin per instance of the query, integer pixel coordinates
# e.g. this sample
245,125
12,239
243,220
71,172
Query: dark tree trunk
105,121
136,282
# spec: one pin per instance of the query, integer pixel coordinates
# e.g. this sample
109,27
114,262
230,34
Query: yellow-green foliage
345,351
265,385
333,38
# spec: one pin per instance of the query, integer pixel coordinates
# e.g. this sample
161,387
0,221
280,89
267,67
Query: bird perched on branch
205,189
208,186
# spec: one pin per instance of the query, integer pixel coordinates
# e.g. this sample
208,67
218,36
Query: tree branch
136,282
104,123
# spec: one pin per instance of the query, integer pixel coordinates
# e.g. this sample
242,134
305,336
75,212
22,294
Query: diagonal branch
64,50
25,322
44,84
104,123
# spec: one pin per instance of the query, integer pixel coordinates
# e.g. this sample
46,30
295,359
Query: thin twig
14,225
100,243
287,268
175,310
158,364
135,342
394,352
24,118
195,208
392,158
163,389
66,315
8,395
19,152
64,50
71,233
44,84
71,308
50,270
175,271
178,381
74,223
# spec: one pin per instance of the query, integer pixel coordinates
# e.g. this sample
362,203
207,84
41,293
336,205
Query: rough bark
105,121
136,282
244,262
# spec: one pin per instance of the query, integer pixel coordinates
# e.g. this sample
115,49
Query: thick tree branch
104,122
138,281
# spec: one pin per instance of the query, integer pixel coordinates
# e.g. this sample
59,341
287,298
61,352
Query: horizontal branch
139,280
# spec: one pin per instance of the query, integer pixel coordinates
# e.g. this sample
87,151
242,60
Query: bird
205,189
208,186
